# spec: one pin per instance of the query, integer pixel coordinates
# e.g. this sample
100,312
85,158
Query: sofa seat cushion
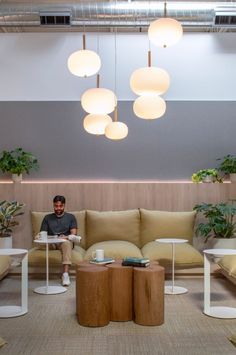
112,225
228,264
37,218
37,257
185,254
5,263
162,224
117,249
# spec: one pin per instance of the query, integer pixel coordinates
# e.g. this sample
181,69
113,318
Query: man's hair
59,198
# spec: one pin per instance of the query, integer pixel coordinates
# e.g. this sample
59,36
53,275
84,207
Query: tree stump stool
149,295
80,264
92,296
120,291
85,263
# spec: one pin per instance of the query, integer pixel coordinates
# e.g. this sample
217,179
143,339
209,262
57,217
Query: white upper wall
33,66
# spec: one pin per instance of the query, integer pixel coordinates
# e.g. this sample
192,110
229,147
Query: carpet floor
51,328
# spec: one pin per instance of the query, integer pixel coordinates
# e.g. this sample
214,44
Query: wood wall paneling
110,196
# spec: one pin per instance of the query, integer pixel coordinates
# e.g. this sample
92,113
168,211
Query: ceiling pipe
126,14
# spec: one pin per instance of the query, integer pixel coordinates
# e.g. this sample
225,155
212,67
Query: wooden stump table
149,295
120,292
92,296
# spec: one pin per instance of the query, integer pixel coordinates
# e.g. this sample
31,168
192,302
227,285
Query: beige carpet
50,327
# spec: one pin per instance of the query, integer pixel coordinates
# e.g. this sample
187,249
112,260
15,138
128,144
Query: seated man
63,225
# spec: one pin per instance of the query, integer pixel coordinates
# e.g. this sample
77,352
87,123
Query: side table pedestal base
221,312
50,290
11,311
176,290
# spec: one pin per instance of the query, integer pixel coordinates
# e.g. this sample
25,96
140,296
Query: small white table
217,312
172,289
16,311
49,290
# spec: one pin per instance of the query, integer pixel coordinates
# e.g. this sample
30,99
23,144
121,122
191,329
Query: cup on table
43,235
98,255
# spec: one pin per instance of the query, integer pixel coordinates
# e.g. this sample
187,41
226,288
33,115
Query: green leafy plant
219,220
228,164
8,212
18,161
200,175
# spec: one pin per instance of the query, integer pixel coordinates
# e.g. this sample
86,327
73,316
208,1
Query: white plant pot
232,177
16,178
223,243
208,178
6,243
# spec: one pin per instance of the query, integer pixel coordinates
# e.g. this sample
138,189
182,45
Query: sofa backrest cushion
5,263
37,218
112,225
162,224
228,264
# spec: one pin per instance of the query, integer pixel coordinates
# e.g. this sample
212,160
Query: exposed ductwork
105,15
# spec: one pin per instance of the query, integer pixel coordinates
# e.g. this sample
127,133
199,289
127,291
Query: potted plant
206,175
219,224
228,166
8,212
17,162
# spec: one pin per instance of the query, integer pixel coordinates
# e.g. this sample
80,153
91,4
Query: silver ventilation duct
104,16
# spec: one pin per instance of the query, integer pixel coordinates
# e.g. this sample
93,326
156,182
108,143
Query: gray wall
189,137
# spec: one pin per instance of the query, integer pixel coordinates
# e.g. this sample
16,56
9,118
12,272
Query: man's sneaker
74,238
65,279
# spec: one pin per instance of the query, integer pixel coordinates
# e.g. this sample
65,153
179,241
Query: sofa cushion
5,263
112,225
37,257
185,254
37,218
116,249
162,224
228,264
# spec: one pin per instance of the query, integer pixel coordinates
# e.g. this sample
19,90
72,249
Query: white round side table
216,311
172,289
49,289
16,311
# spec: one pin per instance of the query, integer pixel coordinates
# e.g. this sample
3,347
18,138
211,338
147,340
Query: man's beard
59,213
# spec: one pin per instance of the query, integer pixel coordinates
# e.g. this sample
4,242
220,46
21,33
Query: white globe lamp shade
165,32
96,124
84,63
116,130
149,81
98,101
149,107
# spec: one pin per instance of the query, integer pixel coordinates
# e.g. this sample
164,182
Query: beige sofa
126,233
5,263
228,267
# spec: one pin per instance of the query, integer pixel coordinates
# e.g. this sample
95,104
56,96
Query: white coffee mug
98,255
43,235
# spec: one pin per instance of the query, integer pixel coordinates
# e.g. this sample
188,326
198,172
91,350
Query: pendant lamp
149,80
116,130
96,124
165,32
98,101
149,107
84,62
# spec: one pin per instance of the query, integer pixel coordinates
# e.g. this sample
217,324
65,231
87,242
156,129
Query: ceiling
107,16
